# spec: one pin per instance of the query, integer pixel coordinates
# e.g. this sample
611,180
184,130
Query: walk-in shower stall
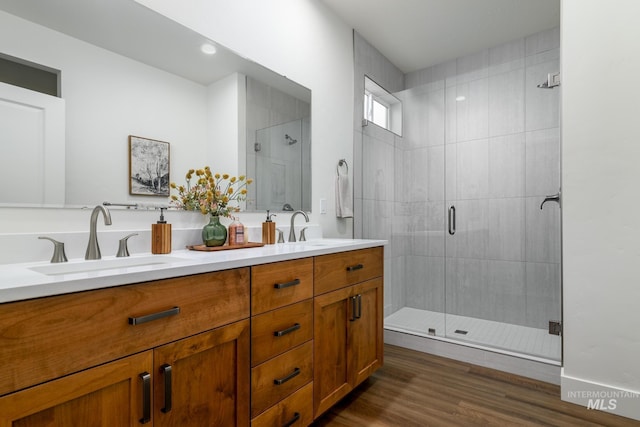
474,256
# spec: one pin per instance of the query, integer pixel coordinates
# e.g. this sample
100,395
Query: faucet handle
303,238
58,250
280,235
123,250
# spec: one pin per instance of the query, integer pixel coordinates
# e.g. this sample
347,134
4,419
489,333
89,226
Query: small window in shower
375,110
381,107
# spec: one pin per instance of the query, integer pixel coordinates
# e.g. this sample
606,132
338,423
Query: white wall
601,205
223,113
306,42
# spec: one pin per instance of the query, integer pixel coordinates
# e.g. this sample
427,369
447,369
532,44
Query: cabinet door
332,312
112,394
365,347
204,380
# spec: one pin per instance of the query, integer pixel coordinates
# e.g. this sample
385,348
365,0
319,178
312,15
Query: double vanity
270,336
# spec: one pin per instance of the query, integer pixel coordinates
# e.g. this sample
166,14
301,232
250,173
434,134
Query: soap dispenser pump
161,235
269,230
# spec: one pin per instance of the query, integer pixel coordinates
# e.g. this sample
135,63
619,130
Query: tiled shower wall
499,152
374,171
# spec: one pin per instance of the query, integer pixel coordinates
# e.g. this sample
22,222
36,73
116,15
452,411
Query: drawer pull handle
355,267
155,316
166,371
146,397
287,331
296,417
281,381
287,284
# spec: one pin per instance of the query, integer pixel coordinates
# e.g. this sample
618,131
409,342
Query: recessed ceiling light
208,48
460,98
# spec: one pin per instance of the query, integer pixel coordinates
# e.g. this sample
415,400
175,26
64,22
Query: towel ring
342,162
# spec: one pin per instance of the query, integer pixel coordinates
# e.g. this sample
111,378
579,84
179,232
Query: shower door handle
452,220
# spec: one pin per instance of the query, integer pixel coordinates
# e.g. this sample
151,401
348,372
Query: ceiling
415,34
131,29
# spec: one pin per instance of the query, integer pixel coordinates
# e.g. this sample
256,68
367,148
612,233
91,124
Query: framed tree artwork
148,167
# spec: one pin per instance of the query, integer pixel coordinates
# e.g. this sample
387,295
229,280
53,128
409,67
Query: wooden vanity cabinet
270,345
348,323
203,380
282,343
109,357
107,395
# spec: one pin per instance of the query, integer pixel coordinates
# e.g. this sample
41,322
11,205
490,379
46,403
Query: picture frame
149,166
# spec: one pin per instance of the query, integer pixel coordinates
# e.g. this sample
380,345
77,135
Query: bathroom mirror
127,70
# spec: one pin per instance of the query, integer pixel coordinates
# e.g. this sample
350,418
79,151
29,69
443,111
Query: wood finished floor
418,389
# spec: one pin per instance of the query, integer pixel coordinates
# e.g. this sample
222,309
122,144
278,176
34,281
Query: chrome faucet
93,250
292,232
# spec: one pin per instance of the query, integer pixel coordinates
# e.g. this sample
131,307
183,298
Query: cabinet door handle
296,372
359,305
353,308
287,331
166,371
155,316
296,417
355,267
287,284
146,397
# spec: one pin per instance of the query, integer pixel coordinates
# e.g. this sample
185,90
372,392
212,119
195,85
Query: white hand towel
344,201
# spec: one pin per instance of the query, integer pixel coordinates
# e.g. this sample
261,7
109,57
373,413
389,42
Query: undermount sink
103,264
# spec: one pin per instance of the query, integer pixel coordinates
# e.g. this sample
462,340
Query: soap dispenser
269,230
161,236
236,233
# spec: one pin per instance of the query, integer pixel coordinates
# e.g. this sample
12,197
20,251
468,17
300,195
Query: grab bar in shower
452,220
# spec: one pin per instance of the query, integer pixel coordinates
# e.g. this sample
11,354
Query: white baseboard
602,397
515,365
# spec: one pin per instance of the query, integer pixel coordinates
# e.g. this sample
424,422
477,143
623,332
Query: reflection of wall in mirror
281,167
108,97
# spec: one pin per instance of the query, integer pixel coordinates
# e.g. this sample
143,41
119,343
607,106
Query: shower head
290,140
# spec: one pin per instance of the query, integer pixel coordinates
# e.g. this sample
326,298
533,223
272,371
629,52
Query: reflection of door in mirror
32,148
278,149
281,154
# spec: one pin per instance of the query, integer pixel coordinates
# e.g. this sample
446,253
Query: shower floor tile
498,335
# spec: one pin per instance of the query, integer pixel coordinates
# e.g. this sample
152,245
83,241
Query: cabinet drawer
280,283
342,269
49,337
277,331
279,377
295,410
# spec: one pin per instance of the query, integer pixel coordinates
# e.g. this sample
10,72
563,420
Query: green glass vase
214,233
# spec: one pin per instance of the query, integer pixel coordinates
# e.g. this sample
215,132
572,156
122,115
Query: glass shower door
502,256
416,297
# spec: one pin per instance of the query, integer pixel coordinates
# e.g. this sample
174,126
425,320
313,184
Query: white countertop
40,279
